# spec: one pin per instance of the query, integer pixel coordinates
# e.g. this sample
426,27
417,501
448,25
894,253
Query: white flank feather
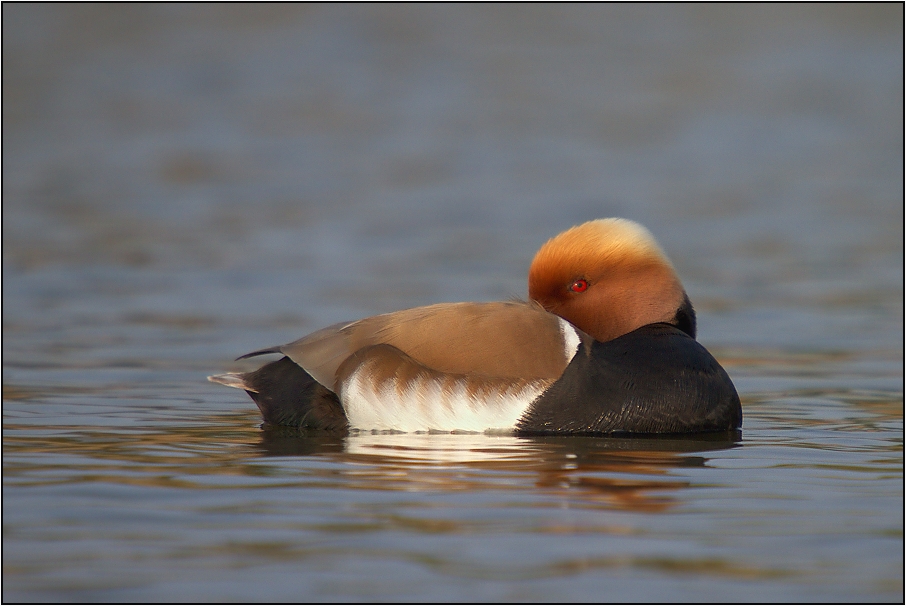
424,405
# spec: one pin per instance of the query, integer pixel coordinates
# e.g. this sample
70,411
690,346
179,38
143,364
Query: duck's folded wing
505,340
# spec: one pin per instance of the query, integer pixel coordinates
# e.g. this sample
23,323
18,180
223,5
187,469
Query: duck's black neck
685,317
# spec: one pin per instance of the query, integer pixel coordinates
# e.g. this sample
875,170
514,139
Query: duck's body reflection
616,473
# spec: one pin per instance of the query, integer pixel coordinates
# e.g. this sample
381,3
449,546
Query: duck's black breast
656,379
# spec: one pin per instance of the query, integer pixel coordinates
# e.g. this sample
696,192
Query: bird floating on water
605,345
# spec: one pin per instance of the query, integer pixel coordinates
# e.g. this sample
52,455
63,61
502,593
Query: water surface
184,184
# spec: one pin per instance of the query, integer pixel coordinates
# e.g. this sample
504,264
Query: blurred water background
185,183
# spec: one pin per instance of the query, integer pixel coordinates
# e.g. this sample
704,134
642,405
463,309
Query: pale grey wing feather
322,352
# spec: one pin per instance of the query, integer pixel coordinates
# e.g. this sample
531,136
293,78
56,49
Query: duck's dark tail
287,395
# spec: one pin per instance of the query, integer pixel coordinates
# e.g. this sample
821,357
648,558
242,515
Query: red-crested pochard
606,344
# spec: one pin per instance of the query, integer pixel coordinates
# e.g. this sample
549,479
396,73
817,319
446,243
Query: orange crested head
609,277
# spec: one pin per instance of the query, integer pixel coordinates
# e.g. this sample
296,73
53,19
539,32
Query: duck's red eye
579,286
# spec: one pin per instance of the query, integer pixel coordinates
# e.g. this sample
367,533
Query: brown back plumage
507,340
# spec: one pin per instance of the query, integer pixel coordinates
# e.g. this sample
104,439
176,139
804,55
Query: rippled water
182,184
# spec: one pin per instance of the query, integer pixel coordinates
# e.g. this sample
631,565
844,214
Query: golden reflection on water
614,473
517,484
598,472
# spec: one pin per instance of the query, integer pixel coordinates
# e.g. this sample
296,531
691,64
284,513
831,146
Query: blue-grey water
185,183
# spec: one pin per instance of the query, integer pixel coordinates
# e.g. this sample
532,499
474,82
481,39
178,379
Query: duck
604,345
